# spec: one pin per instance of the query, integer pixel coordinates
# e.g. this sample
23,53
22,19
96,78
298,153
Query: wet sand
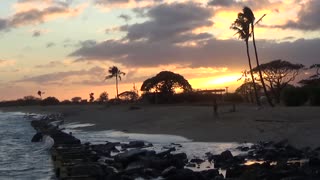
300,125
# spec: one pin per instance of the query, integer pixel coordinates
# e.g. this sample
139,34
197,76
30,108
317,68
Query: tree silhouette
129,96
166,82
103,97
115,72
247,12
313,80
242,27
76,99
278,74
246,90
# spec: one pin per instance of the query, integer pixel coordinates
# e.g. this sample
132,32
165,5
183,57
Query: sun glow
217,82
224,80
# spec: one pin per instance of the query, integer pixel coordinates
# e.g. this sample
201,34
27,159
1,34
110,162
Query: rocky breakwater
136,159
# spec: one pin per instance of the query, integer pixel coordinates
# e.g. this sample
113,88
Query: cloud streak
34,16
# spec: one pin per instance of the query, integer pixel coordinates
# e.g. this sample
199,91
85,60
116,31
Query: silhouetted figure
215,108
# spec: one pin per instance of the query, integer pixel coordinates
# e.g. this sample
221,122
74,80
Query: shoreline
132,160
299,125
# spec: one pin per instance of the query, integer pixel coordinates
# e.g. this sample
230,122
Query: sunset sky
64,47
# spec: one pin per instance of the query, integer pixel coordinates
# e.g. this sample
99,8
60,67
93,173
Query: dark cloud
105,2
167,37
212,53
253,4
308,17
50,44
169,20
36,33
35,16
87,43
58,2
222,3
51,64
125,17
3,24
150,54
108,2
59,77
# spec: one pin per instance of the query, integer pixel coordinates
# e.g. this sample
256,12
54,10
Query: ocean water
19,158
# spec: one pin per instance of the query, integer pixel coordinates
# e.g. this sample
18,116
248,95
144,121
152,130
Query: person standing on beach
215,108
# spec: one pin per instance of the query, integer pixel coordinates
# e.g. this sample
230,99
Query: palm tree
40,93
247,12
242,26
115,72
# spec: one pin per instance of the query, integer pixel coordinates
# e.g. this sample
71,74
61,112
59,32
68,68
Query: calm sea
19,158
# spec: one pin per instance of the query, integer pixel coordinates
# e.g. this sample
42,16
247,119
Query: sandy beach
300,125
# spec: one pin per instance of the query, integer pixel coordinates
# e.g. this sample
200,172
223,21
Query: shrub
294,96
66,102
76,100
50,101
315,97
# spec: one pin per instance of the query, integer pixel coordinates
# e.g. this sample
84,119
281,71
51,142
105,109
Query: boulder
226,155
133,144
129,156
37,137
168,171
210,174
183,174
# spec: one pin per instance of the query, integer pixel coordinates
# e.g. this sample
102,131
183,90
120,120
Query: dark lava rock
281,143
89,169
178,160
210,174
169,171
134,144
197,160
129,156
60,137
243,148
314,162
225,155
191,165
165,152
135,167
37,137
183,174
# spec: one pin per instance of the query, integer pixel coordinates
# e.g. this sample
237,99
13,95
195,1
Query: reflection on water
19,158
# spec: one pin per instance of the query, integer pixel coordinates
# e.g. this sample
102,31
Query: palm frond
109,76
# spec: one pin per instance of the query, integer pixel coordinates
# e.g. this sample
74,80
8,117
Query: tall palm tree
115,72
247,12
242,27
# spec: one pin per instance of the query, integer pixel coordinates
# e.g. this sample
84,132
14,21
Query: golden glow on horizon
224,79
216,82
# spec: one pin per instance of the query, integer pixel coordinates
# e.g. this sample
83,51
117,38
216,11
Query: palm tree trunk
258,66
117,86
252,77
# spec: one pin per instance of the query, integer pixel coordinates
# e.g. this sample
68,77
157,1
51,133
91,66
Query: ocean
19,158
